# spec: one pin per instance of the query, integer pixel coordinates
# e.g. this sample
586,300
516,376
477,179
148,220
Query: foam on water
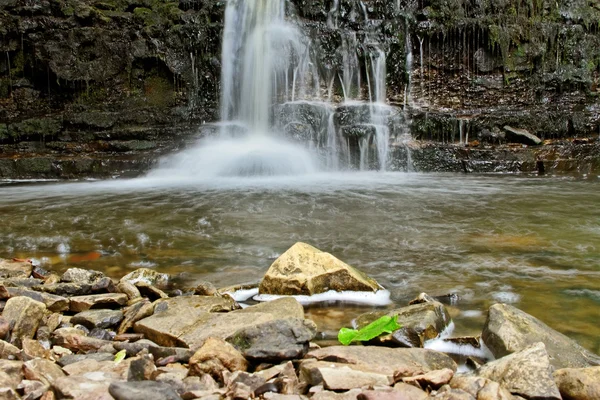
445,346
379,298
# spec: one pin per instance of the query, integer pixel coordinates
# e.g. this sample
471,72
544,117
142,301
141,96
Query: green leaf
385,324
120,356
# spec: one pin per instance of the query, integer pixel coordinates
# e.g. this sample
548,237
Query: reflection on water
534,242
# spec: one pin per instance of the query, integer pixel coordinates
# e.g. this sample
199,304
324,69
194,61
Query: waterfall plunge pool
533,242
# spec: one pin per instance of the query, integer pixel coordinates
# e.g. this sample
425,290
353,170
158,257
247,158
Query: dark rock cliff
103,88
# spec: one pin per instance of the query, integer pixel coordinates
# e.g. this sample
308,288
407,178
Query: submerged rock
305,270
508,330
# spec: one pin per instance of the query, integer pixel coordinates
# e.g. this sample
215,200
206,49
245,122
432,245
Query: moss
158,91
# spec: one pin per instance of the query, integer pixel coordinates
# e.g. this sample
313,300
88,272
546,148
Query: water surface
530,241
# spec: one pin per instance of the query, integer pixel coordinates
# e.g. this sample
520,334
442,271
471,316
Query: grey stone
73,358
526,373
98,318
134,313
145,390
275,340
65,288
517,135
24,315
80,275
9,351
508,330
148,276
82,388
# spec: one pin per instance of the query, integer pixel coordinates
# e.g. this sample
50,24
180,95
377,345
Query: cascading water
271,90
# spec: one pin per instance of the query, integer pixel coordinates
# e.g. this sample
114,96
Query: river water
533,242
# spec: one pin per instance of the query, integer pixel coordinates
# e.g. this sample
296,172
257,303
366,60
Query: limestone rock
98,318
305,270
8,351
148,276
420,322
275,340
42,370
431,379
345,378
145,390
11,373
80,275
480,388
508,330
52,302
578,383
15,269
83,303
33,349
167,328
216,356
24,315
82,388
517,135
385,360
526,373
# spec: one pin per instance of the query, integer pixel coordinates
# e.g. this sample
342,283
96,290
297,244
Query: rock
141,368
15,269
32,389
305,270
329,395
42,370
98,318
151,292
11,373
420,322
129,289
275,340
82,388
203,383
252,381
173,376
74,358
148,276
107,300
74,340
345,378
385,360
401,391
508,330
516,135
205,289
216,356
145,390
4,328
431,379
24,315
578,383
4,292
134,313
103,334
167,328
80,275
104,285
52,302
448,393
526,373
8,394
480,388
33,349
8,351
65,288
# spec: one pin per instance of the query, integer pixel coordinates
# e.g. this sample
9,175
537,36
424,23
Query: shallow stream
530,241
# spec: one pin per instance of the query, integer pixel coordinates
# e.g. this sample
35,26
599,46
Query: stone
7,393
4,294
32,389
173,376
24,315
345,378
102,334
508,330
134,313
80,275
204,383
65,288
420,322
480,388
82,388
329,395
4,328
384,360
275,340
578,383
527,373
11,373
144,390
43,370
516,135
8,351
205,289
252,381
52,302
33,349
167,328
15,269
305,270
104,369
129,289
151,292
401,391
74,358
74,340
216,356
98,318
141,368
148,276
432,379
104,285
105,300
448,393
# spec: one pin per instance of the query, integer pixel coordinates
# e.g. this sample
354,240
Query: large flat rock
508,330
206,316
306,270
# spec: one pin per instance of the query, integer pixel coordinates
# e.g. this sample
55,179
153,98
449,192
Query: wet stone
52,302
80,275
98,318
108,300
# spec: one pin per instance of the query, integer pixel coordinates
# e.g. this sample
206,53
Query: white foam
379,298
243,294
506,297
466,350
471,313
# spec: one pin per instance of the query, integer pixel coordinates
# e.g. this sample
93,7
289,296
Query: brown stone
15,269
129,289
432,379
9,351
52,302
104,300
4,328
80,275
42,370
306,270
480,388
33,349
82,388
32,389
578,383
135,312
24,315
74,340
11,373
345,378
216,356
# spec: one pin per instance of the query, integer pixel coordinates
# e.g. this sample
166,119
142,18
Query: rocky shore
83,335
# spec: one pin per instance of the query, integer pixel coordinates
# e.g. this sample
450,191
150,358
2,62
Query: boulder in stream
306,270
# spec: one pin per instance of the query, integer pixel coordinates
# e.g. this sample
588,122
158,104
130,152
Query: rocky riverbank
83,335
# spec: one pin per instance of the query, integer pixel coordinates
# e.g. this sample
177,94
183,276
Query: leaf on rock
385,324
